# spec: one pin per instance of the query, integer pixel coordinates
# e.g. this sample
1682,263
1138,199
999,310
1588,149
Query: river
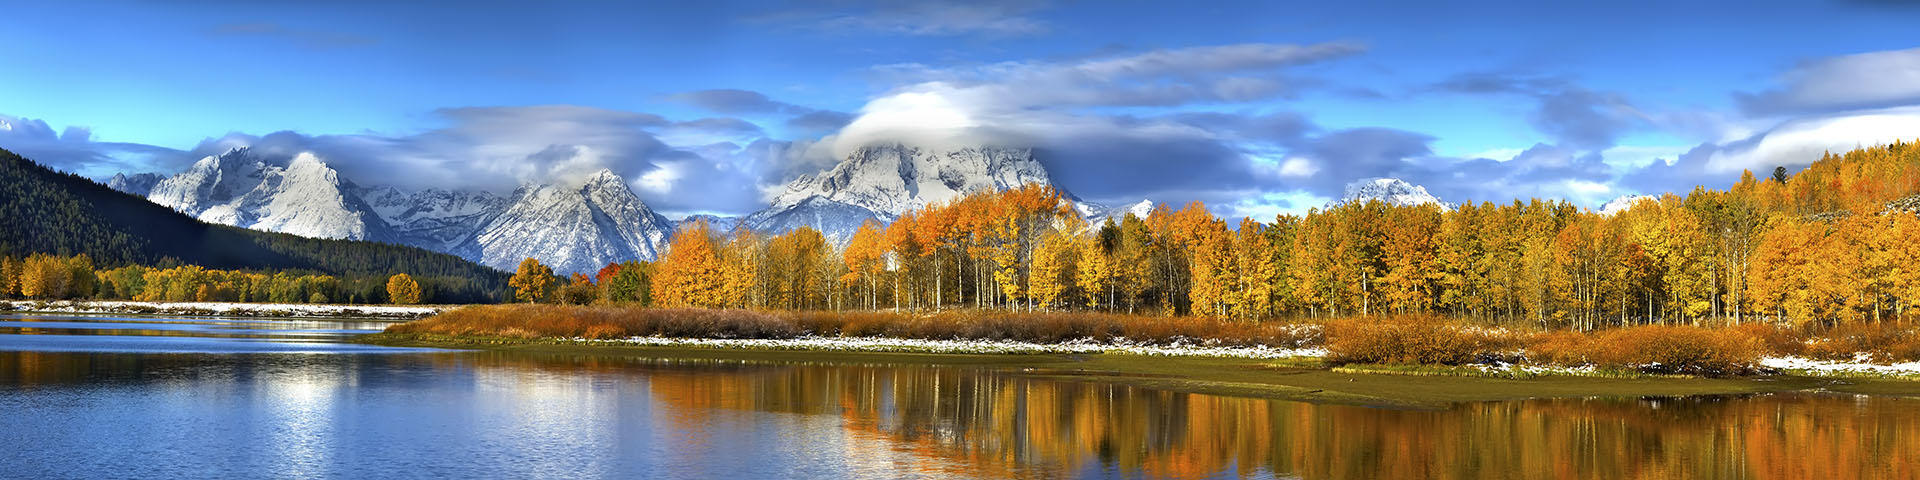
114,397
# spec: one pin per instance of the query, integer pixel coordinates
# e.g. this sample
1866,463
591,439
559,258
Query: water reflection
955,420
161,411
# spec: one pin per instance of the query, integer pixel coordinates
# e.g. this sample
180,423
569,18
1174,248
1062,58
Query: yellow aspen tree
1258,271
690,274
531,281
1095,270
402,290
865,259
1053,268
44,277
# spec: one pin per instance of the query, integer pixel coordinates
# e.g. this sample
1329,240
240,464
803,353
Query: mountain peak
571,229
1389,190
1624,203
138,184
605,179
884,180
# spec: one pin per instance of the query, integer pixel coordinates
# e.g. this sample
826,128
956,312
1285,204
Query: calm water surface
102,397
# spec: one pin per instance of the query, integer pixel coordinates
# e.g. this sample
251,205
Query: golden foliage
403,290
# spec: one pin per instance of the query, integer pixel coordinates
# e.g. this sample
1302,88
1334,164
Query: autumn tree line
1822,245
53,277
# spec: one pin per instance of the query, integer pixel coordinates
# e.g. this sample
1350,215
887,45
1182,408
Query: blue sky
1257,108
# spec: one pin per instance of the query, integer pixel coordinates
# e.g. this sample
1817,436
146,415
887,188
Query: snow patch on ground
1859,365
227,309
909,345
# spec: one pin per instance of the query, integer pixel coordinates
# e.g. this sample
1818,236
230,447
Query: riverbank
226,309
1296,378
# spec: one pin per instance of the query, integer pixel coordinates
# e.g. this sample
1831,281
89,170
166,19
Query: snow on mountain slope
303,196
137,184
1389,190
884,181
434,219
1097,214
837,221
310,199
892,179
1624,203
577,227
716,223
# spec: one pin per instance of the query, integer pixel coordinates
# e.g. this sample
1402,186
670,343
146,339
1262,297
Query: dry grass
1413,340
531,321
1654,349
1884,343
1404,340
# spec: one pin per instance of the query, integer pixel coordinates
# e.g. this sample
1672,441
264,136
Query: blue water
103,397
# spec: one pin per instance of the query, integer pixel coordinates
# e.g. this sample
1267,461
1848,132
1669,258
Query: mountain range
46,211
574,226
1392,191
579,225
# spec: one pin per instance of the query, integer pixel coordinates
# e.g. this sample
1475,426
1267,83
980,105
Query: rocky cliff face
301,196
573,227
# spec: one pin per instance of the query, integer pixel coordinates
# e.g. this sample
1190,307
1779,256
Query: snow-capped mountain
434,219
1097,214
1624,203
837,221
137,184
884,181
571,227
1392,191
302,196
716,223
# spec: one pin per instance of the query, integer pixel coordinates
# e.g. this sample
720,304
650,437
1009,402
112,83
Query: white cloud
1867,80
1800,142
1297,167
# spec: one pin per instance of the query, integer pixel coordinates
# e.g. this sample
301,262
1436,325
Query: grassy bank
558,321
1296,379
1382,361
1390,340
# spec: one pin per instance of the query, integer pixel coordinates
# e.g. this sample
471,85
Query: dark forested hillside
45,211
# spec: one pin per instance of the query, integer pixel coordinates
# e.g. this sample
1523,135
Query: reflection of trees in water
998,424
982,422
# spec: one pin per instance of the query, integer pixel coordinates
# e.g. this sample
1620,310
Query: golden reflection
987,423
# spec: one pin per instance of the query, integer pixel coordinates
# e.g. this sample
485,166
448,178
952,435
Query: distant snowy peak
883,181
571,227
1392,191
1097,214
138,184
717,223
302,196
891,179
435,219
212,180
1624,203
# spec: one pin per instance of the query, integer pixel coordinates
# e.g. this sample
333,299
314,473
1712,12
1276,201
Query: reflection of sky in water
119,406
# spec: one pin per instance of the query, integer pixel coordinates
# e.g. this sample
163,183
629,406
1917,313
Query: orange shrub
1777,340
1053,327
1882,343
605,332
1654,349
529,321
1562,347
1411,341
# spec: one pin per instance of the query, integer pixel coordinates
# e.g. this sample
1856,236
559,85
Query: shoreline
1292,378
225,309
